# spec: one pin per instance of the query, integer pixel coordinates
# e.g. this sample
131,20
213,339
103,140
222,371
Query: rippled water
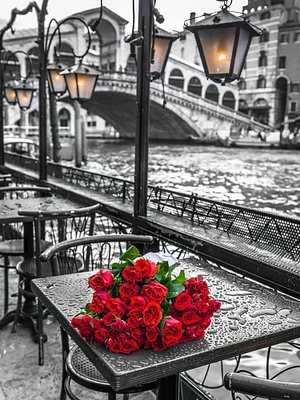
258,178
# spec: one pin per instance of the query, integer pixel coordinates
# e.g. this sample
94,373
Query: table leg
168,388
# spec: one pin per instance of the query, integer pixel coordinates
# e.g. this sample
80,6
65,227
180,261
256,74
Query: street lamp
223,41
22,91
79,79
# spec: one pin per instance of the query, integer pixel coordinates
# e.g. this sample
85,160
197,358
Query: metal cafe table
252,316
9,214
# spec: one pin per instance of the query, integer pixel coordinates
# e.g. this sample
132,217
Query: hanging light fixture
10,94
223,41
81,80
57,83
160,53
24,93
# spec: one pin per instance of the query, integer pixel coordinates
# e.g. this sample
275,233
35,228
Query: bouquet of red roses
140,304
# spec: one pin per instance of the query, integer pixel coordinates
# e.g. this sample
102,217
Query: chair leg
112,396
18,309
40,332
6,287
126,396
65,351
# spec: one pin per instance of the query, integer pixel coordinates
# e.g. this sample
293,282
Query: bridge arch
212,93
176,78
108,42
229,100
195,86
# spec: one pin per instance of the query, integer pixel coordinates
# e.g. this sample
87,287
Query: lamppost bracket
135,39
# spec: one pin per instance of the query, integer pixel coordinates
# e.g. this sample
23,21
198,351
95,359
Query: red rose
137,303
152,333
137,335
130,274
100,335
102,279
116,306
128,346
152,314
182,301
171,332
113,346
214,305
146,268
108,318
202,307
97,307
157,345
155,291
128,290
190,318
134,322
118,326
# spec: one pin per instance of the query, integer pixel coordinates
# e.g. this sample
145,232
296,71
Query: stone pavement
21,377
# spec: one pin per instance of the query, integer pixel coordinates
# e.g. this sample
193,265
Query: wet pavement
21,377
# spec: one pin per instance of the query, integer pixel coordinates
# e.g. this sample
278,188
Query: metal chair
260,387
95,252
53,227
12,244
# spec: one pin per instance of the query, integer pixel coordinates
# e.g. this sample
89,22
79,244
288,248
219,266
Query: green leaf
162,324
130,254
163,268
166,281
116,271
172,267
174,290
118,265
166,305
87,309
180,278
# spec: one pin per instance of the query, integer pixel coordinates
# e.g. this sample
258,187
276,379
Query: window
282,62
265,15
297,37
284,38
242,84
264,37
294,106
261,82
294,87
262,61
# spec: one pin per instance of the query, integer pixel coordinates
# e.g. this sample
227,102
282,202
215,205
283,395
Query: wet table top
251,317
9,209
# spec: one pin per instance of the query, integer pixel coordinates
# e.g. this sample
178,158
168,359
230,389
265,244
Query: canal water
258,178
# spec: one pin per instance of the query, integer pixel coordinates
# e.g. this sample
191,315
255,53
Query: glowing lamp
223,42
57,82
10,94
24,94
162,47
81,81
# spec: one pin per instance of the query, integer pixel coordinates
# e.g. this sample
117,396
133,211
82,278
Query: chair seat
67,265
82,371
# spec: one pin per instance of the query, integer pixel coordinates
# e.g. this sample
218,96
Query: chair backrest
23,192
55,227
95,252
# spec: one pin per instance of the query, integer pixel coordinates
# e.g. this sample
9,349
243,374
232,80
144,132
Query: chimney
192,17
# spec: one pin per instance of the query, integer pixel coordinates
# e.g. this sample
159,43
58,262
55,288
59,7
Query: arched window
176,78
242,84
262,103
228,100
264,37
265,15
34,118
108,45
12,67
34,58
195,86
212,93
66,55
263,60
261,82
64,118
